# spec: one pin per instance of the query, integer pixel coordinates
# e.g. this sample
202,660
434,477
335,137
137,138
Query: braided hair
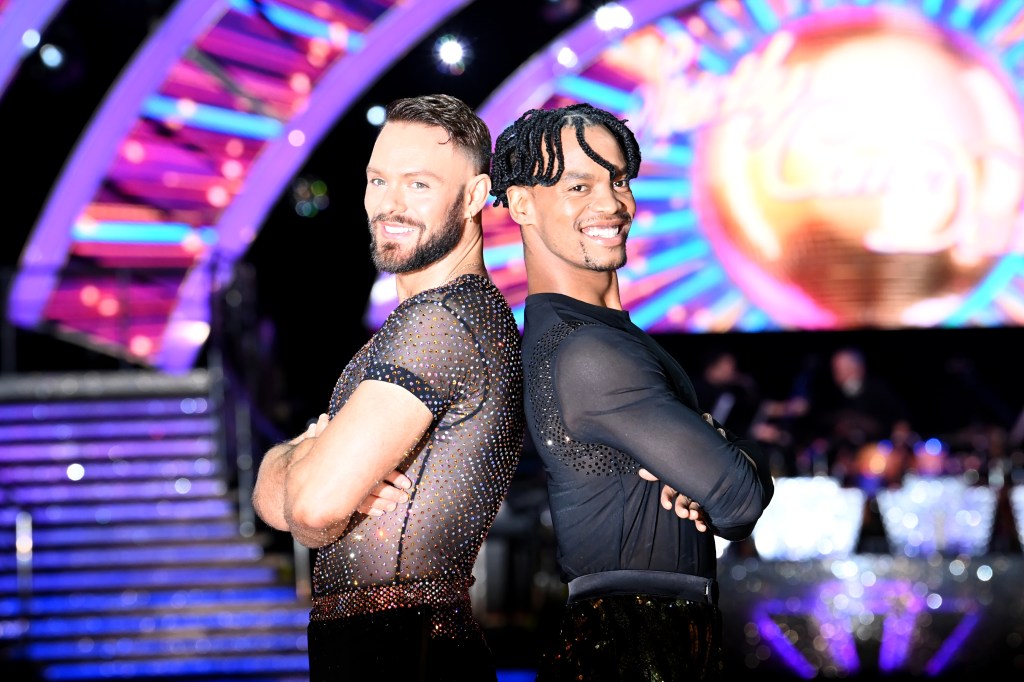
529,152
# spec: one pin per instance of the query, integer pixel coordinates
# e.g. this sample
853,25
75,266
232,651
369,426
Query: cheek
630,202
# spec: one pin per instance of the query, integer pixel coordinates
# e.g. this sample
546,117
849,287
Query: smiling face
415,196
583,219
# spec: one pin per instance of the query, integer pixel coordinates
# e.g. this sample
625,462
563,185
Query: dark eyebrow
370,170
577,175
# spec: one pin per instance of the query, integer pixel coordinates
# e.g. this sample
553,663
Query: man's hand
684,507
314,429
387,495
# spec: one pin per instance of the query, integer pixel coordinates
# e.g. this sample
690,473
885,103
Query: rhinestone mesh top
457,348
603,399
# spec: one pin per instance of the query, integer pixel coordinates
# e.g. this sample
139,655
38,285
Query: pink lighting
215,81
218,196
141,346
134,151
232,169
300,83
90,295
109,307
234,147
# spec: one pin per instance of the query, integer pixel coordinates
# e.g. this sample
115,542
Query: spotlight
613,16
375,115
52,56
451,54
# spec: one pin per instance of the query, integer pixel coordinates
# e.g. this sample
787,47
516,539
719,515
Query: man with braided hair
615,419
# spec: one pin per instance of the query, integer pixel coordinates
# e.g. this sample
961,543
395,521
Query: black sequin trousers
395,644
636,638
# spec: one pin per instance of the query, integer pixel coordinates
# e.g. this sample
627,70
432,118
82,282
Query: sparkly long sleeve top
456,348
602,400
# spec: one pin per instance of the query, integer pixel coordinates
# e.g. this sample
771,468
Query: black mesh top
456,348
604,399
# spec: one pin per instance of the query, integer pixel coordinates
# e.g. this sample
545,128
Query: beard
387,256
609,265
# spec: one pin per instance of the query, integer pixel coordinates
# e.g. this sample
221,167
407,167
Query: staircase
121,555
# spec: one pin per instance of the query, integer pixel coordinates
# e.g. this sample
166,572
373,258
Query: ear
520,204
478,191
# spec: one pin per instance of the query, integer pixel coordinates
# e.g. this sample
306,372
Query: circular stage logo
860,170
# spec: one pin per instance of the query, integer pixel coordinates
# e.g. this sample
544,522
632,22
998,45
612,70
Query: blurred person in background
855,411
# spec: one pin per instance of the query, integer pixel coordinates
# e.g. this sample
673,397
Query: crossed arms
311,485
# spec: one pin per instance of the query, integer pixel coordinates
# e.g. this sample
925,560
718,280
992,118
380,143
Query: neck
596,288
552,276
467,258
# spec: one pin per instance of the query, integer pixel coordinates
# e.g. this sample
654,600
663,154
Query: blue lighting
656,308
1003,15
141,233
295,22
598,94
763,14
671,258
712,61
212,118
161,577
723,24
999,278
667,222
645,189
678,155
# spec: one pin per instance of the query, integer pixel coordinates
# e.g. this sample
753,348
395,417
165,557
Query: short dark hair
520,151
467,130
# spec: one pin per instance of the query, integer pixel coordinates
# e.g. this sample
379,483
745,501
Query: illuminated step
121,648
123,534
138,600
135,556
53,627
122,449
150,577
179,668
98,471
63,431
148,490
105,409
162,510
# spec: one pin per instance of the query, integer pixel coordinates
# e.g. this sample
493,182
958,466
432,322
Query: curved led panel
192,146
807,165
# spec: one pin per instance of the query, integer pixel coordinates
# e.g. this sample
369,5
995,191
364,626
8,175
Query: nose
607,200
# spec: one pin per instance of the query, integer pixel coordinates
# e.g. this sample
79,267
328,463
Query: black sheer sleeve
614,391
428,350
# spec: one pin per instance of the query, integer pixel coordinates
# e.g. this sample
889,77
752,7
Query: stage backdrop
807,165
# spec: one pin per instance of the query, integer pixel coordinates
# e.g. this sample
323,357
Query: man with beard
615,419
399,482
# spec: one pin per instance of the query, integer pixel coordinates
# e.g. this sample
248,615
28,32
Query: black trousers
394,644
618,637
